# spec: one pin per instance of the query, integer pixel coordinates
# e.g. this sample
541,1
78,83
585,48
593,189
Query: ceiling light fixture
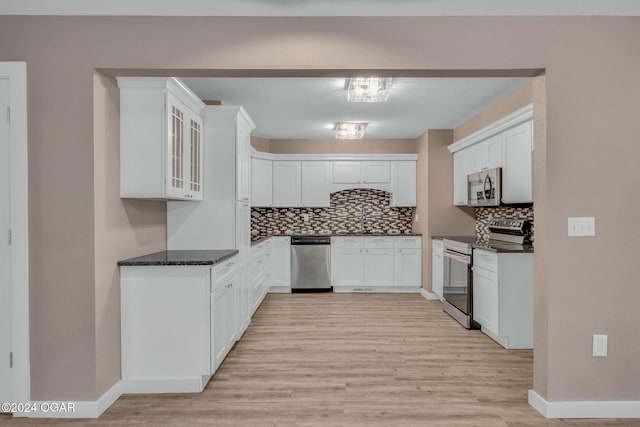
368,89
349,130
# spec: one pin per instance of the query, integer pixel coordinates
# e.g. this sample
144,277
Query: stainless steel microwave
484,188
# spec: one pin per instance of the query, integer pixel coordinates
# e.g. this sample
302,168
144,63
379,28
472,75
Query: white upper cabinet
243,158
494,152
361,172
309,180
315,183
161,139
403,178
462,161
286,183
346,172
261,182
506,143
374,172
517,172
479,157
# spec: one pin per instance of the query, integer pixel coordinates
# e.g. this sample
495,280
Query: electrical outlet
305,217
581,226
599,345
417,217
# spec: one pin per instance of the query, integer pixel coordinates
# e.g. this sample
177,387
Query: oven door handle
460,258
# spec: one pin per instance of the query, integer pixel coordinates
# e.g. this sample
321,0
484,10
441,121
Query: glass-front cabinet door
185,156
196,157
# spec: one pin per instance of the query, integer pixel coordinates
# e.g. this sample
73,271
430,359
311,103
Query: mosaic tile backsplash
350,211
483,215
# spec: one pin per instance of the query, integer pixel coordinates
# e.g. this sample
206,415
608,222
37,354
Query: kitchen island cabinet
180,316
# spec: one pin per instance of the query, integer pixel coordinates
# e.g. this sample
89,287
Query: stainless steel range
458,285
506,235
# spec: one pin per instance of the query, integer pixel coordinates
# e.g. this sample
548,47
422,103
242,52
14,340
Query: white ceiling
321,7
307,108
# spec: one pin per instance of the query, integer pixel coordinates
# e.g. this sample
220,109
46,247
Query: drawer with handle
408,242
224,268
485,259
378,242
348,242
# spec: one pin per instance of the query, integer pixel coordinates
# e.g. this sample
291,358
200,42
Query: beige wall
343,146
591,64
436,213
515,100
260,144
123,229
541,294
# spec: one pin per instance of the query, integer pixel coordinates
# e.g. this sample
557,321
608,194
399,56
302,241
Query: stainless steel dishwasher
310,263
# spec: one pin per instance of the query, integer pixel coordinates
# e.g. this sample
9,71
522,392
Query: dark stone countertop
195,257
490,245
259,239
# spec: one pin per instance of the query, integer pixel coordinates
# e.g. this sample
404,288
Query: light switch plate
581,226
600,346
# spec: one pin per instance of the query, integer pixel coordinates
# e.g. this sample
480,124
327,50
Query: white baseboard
81,409
428,295
585,409
376,289
165,385
280,290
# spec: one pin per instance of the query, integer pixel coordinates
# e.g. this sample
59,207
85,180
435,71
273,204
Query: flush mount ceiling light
368,89
349,130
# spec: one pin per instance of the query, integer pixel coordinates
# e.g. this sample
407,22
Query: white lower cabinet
178,324
225,316
378,267
486,299
259,274
376,263
503,297
437,268
348,267
165,321
408,267
280,268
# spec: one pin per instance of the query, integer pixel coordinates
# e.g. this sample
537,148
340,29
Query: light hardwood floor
350,360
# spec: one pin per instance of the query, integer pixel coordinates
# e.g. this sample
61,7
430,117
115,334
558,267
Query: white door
462,163
6,377
378,267
280,262
404,183
437,273
348,267
346,172
408,267
480,157
486,299
261,182
517,172
315,177
286,183
219,337
494,149
376,172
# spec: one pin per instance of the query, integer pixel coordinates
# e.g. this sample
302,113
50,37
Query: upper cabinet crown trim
172,84
519,116
229,111
271,156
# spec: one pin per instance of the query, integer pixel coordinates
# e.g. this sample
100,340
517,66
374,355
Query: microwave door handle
487,179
